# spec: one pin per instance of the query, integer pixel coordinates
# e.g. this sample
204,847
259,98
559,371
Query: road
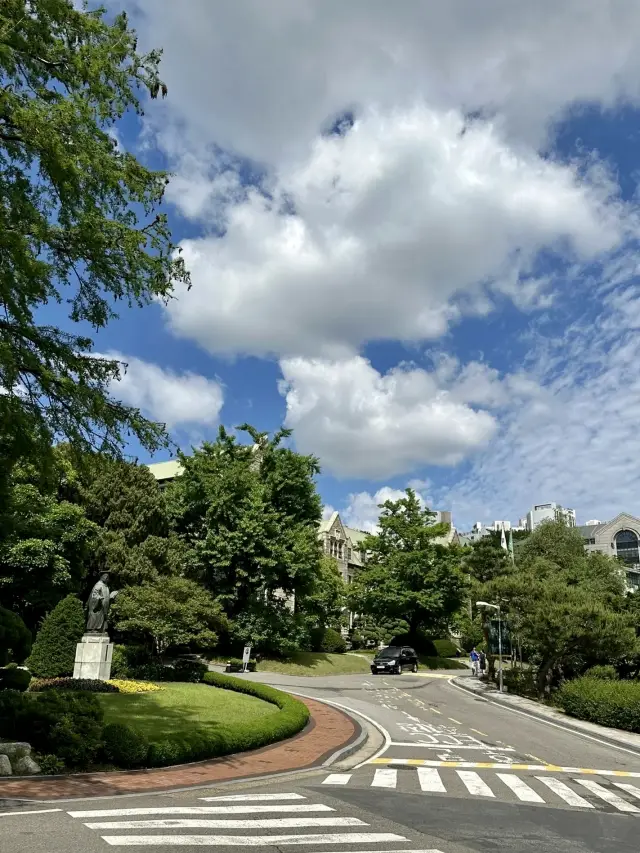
453,774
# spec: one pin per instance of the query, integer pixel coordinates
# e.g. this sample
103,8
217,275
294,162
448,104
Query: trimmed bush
609,703
15,638
54,651
445,648
607,672
356,640
128,660
91,685
522,682
333,642
14,678
291,718
123,746
186,670
63,723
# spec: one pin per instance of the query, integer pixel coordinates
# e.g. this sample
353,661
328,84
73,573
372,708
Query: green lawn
319,663
181,707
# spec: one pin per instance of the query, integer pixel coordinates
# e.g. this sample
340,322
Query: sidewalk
617,737
329,730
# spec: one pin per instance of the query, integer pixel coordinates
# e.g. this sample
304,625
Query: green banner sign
493,638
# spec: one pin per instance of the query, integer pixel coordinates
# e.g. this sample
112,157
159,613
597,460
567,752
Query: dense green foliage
169,611
54,651
332,641
408,576
606,671
66,724
15,638
14,678
46,540
603,701
78,224
123,746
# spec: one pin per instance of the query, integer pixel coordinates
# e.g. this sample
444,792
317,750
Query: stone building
342,543
617,538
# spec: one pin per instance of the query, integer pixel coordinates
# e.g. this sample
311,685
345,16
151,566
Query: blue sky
424,298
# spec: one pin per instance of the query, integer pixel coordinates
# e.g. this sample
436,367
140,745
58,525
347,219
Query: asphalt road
427,789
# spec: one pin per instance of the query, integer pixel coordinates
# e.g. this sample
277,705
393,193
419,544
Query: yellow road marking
535,757
484,734
455,721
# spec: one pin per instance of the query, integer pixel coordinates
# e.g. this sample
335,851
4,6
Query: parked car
394,659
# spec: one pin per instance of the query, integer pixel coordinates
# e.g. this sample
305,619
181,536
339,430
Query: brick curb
328,731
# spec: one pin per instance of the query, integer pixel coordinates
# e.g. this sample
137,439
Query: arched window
627,547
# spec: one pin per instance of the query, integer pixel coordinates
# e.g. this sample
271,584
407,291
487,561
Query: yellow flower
126,686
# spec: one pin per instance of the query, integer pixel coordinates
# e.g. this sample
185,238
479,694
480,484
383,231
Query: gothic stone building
618,538
342,543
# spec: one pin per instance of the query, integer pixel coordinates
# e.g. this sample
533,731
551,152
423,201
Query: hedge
54,651
89,685
445,648
610,703
14,678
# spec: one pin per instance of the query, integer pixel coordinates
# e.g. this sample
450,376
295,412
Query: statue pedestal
93,657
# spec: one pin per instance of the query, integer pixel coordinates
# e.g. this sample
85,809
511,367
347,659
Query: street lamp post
496,607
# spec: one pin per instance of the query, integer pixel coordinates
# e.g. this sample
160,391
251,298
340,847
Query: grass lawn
181,707
320,663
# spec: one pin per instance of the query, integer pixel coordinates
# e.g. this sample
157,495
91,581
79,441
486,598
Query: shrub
333,642
522,682
420,642
14,678
15,638
91,685
356,640
186,670
127,660
127,686
50,765
607,672
291,717
445,648
63,723
609,703
123,746
54,651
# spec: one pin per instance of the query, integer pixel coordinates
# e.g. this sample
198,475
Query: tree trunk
542,677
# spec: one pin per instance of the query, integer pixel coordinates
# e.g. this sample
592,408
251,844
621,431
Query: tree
15,638
248,517
54,651
325,602
409,576
46,542
169,611
78,224
567,606
134,542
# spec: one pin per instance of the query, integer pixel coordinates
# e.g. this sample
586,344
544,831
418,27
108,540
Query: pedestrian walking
482,660
475,660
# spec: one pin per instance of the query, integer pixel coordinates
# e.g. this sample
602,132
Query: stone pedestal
93,657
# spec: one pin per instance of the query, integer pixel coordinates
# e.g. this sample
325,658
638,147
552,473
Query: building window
633,580
627,547
349,554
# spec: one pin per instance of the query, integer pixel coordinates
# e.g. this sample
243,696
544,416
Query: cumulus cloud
578,442
362,423
390,232
177,399
295,63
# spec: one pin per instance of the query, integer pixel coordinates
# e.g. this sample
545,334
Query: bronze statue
98,606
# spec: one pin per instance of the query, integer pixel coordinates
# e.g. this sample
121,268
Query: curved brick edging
328,731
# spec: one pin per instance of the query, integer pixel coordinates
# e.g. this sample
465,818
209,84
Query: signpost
246,656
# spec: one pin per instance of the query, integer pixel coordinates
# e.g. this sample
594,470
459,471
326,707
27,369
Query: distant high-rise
550,512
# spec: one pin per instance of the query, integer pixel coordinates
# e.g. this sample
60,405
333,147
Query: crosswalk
549,790
242,820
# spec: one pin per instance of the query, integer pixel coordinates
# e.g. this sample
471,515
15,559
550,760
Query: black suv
394,659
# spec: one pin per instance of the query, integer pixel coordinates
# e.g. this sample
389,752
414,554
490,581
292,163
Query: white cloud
362,510
262,78
174,398
400,227
578,442
365,424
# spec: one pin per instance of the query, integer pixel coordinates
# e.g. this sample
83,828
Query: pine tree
54,650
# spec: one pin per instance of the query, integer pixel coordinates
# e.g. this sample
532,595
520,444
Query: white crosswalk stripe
337,779
218,831
608,796
474,784
520,788
430,780
385,777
